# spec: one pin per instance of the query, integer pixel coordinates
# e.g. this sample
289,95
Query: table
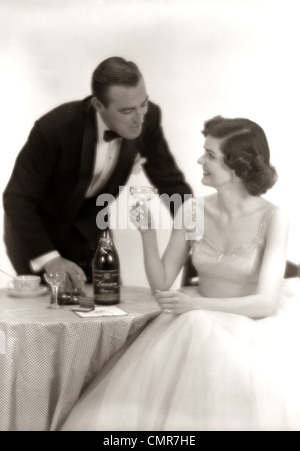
52,355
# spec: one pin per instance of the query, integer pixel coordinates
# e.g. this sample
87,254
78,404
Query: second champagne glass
54,279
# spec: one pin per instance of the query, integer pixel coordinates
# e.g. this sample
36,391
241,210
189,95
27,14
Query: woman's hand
176,302
141,218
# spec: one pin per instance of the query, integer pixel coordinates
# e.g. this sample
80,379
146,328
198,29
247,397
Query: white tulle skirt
201,371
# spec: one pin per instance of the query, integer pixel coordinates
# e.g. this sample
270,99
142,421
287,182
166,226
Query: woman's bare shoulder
279,222
278,211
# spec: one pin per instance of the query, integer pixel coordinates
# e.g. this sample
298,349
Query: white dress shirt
105,161
106,158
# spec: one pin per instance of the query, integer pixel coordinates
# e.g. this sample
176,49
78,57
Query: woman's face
215,171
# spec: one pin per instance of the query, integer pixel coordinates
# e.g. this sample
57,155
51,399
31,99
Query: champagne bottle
106,271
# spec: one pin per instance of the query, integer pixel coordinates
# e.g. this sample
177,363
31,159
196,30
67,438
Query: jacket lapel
123,167
88,149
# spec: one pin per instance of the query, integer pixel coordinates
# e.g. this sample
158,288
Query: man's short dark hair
113,71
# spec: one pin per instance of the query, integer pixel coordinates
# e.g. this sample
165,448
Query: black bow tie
109,135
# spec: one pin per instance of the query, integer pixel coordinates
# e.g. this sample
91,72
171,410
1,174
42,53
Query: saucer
27,294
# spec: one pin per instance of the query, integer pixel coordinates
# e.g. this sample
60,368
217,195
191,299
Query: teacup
26,283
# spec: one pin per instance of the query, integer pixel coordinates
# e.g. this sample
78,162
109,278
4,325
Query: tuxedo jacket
45,196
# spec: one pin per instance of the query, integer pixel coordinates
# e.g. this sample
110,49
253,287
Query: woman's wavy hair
246,151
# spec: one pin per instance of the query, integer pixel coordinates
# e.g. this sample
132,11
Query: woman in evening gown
223,355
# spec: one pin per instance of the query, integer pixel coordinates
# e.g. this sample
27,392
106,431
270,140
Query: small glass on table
54,279
69,295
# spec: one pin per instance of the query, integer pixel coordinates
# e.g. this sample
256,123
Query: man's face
127,106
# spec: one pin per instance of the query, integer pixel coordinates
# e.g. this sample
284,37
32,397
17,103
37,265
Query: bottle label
106,287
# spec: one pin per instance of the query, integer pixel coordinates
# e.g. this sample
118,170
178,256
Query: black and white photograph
149,222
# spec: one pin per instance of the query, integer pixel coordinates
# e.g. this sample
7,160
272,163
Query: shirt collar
101,127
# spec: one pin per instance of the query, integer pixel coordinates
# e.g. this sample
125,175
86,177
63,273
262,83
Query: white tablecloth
52,355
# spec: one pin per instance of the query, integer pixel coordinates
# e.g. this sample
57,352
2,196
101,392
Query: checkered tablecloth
52,355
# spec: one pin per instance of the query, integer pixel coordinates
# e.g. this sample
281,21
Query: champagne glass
54,279
142,195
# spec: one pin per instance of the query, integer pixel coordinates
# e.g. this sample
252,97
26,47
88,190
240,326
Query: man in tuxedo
73,154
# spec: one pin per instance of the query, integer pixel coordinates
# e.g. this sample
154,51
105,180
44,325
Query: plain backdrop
199,58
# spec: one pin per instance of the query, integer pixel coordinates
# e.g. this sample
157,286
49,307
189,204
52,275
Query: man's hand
74,275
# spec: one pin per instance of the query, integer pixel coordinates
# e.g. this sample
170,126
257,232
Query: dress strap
264,224
191,217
